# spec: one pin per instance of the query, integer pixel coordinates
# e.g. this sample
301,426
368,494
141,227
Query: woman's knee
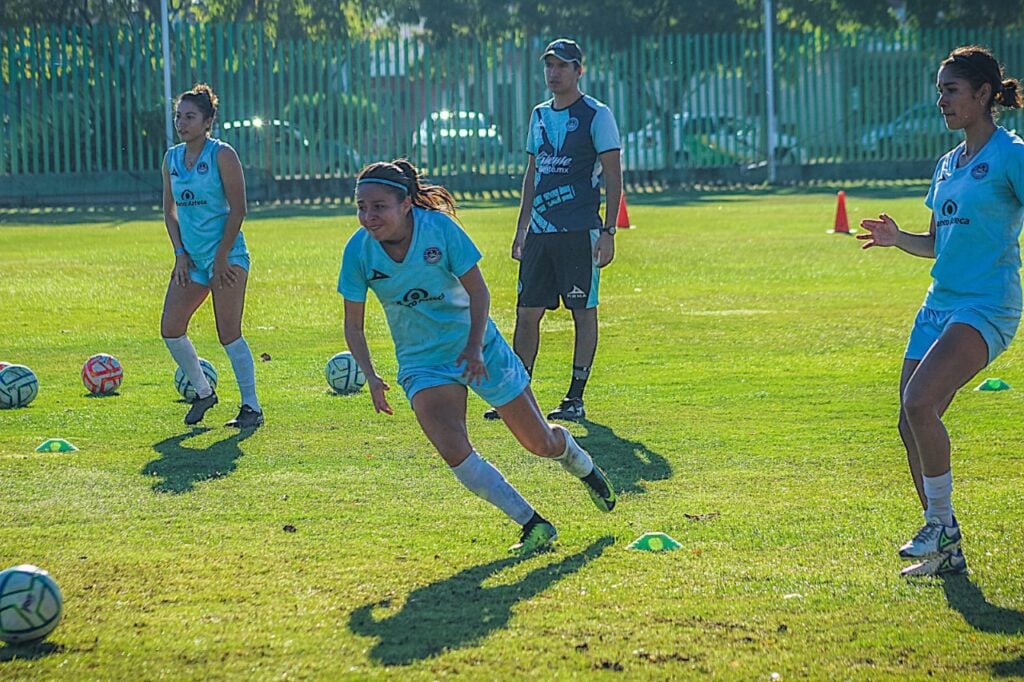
547,442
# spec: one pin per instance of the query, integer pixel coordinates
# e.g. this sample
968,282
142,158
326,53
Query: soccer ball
18,386
102,374
30,604
343,374
184,386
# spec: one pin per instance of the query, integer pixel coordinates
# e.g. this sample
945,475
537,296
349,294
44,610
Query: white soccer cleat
939,564
933,538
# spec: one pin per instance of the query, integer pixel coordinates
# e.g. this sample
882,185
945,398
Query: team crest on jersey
572,124
979,171
432,255
202,168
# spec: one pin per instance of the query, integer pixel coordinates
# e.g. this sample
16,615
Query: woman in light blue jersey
973,307
204,205
423,269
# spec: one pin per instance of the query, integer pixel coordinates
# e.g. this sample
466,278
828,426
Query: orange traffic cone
842,223
622,219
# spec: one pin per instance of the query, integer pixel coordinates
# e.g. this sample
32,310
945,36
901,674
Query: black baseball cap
565,49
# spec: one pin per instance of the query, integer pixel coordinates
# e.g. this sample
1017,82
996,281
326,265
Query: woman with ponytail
204,206
424,270
973,307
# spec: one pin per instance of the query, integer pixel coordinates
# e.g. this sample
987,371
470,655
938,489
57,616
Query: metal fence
82,111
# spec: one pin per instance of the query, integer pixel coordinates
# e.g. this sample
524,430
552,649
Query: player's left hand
473,357
378,387
223,274
604,250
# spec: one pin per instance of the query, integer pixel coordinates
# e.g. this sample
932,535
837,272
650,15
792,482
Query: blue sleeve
462,252
1015,170
531,139
352,282
604,132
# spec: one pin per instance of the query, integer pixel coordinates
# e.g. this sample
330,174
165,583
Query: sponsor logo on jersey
549,164
432,255
949,212
572,124
188,198
979,171
414,297
377,274
202,168
174,172
576,292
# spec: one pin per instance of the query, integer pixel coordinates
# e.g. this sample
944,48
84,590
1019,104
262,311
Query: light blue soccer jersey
425,303
979,209
566,145
199,197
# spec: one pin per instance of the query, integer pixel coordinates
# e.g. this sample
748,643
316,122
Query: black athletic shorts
559,265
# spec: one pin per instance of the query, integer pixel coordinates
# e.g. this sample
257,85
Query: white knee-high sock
939,491
245,371
575,459
184,353
486,482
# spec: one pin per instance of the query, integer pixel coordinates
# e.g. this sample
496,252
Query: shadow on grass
629,463
179,467
459,611
29,652
967,598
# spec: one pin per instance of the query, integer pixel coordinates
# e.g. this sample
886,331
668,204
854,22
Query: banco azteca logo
188,195
949,208
414,297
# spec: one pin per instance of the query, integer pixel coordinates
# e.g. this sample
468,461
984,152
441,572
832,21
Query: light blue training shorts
997,327
506,375
202,273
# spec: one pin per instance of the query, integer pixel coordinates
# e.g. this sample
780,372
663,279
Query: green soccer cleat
537,535
600,489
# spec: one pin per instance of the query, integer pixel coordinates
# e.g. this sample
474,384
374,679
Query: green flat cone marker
56,445
993,384
654,542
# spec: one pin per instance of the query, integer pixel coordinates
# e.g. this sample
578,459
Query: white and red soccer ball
102,374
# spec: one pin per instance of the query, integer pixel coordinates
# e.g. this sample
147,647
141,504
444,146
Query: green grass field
744,401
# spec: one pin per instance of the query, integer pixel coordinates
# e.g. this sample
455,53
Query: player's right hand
517,245
377,389
881,232
182,264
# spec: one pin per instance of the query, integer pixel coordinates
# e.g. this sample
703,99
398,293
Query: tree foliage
614,21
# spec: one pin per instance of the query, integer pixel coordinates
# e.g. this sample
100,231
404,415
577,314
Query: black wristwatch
610,230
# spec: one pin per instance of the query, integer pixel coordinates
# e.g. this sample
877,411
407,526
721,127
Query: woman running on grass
423,268
204,205
973,307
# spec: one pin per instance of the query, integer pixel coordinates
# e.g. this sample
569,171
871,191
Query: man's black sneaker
570,410
199,408
247,418
492,415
